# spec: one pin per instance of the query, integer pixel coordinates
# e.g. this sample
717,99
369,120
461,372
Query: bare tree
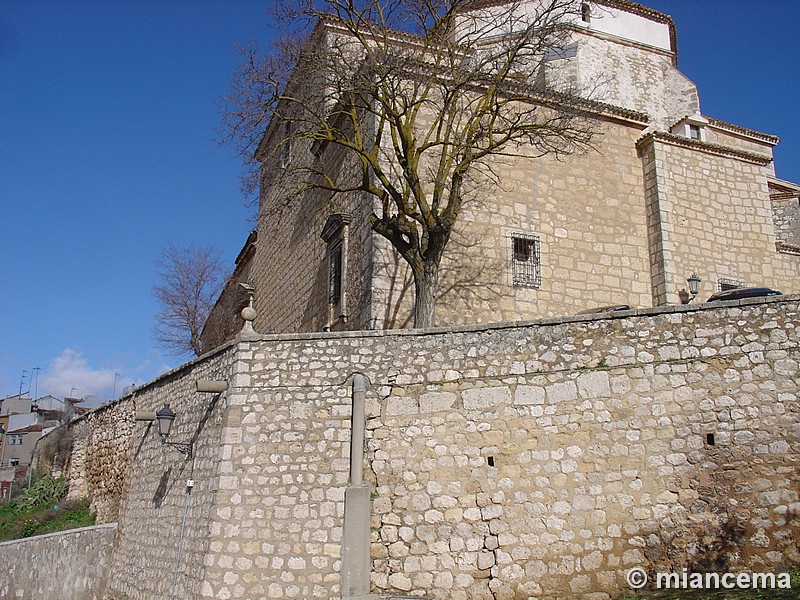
191,279
420,95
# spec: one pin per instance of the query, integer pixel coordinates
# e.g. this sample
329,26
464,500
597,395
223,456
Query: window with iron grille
725,284
526,260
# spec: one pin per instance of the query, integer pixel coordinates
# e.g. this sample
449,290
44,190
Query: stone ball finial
248,312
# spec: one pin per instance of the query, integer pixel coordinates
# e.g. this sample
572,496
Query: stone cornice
743,131
624,5
715,149
785,248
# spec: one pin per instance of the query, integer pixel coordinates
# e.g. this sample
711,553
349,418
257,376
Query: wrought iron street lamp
165,417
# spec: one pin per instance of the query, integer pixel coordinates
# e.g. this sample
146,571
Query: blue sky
107,122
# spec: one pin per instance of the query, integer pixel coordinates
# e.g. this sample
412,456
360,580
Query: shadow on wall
162,489
463,282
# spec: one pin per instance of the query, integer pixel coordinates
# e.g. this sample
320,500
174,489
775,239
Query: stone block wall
710,214
163,523
588,213
516,461
69,565
290,267
786,216
100,457
643,79
545,462
538,460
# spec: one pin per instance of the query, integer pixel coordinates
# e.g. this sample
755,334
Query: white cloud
70,374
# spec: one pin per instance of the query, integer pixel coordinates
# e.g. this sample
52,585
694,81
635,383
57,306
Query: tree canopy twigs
420,94
190,281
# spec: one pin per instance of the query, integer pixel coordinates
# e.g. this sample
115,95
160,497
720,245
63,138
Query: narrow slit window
586,13
286,150
335,274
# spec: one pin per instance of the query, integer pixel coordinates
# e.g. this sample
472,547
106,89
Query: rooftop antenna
22,381
36,384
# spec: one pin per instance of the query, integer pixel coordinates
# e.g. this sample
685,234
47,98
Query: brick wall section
597,431
71,564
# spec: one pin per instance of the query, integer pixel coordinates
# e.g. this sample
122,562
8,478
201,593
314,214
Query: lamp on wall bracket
694,288
164,417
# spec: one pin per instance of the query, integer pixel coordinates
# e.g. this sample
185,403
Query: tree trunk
426,284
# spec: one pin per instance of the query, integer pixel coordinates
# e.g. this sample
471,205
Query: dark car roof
602,309
739,293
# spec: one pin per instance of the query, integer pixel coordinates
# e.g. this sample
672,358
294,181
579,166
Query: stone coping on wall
621,314
164,376
66,532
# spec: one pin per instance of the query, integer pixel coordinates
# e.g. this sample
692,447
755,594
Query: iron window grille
526,254
724,284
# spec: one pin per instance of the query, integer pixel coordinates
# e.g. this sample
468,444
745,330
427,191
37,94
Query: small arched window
586,13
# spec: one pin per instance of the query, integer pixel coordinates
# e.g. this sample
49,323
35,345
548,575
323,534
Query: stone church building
667,192
482,459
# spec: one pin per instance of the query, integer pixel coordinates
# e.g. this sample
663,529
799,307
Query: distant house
24,422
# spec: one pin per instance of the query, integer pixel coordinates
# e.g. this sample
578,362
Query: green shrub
46,491
41,509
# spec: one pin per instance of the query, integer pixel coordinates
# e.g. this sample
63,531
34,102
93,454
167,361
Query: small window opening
710,439
490,460
335,275
286,151
694,132
526,260
586,13
724,284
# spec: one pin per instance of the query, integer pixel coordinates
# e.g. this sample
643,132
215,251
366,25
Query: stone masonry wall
509,461
69,565
588,213
290,267
539,460
100,456
643,79
711,215
163,523
786,216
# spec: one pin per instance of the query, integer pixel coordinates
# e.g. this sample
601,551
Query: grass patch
41,509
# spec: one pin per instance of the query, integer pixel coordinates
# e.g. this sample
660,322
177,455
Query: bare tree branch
191,279
420,94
